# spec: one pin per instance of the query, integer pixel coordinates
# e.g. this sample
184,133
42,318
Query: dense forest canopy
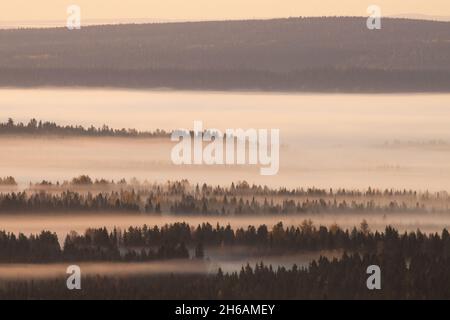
172,241
324,279
35,127
47,128
84,194
281,54
414,266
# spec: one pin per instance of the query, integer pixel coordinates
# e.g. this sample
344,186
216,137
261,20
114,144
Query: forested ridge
173,240
414,264
39,128
36,128
295,54
422,277
83,194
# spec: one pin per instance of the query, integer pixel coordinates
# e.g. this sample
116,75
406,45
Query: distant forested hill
296,54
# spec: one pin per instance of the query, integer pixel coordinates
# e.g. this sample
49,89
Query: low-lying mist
227,259
327,140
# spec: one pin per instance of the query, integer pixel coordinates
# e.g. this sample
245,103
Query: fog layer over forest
352,141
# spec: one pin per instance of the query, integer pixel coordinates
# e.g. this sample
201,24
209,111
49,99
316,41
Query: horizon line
49,24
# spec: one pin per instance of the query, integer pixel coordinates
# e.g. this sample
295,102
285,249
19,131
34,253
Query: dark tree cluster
121,198
240,205
243,188
34,127
69,201
172,241
8,181
305,237
94,245
423,276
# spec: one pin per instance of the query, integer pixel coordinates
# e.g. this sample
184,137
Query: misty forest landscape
352,122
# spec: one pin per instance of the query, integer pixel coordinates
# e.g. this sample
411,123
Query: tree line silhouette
180,198
34,127
94,245
46,128
8,181
172,241
180,187
423,276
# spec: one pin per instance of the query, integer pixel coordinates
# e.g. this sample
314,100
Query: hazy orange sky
45,10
